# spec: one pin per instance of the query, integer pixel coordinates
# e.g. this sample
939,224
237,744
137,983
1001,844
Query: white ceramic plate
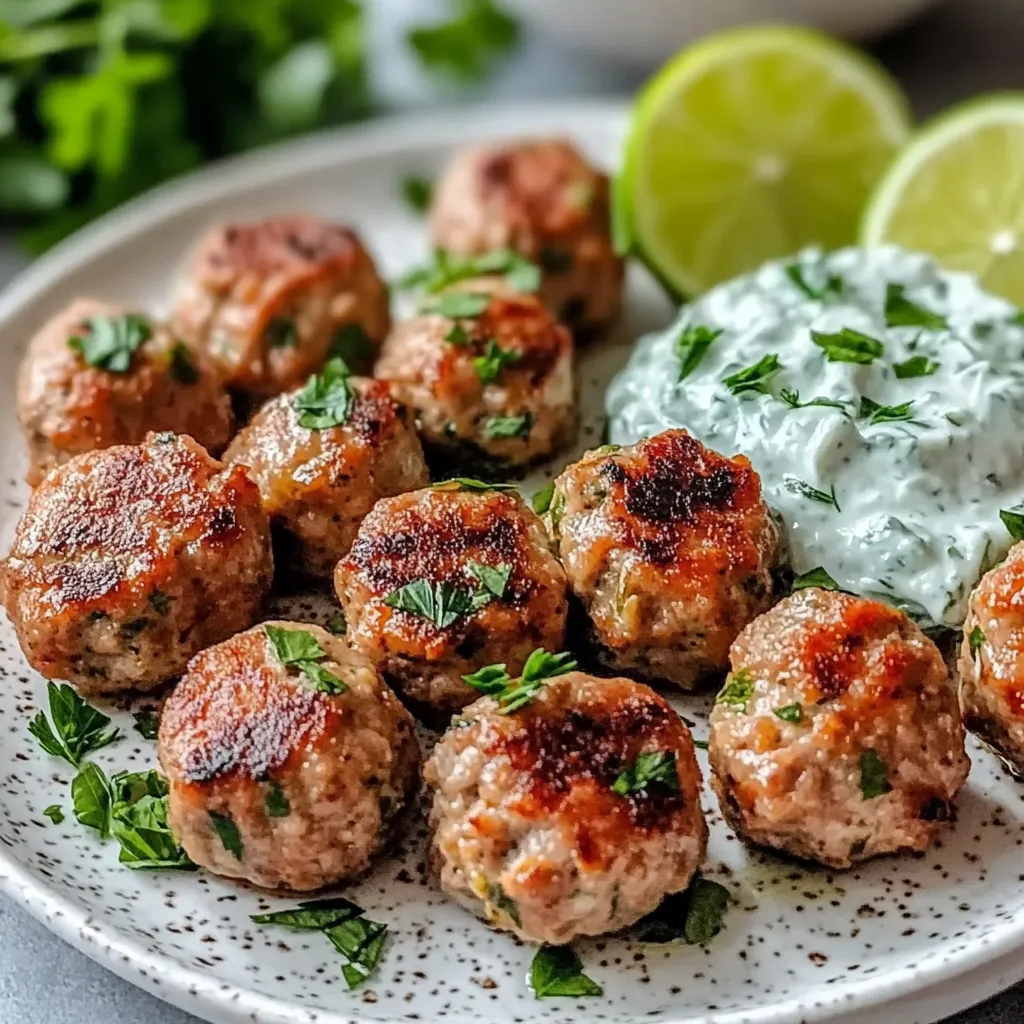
907,940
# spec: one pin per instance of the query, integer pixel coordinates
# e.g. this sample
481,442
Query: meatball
992,661
97,375
542,199
131,559
670,548
288,759
574,815
444,581
318,483
489,373
271,300
837,736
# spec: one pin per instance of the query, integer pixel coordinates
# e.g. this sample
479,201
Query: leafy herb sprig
77,727
512,694
110,341
300,649
327,398
696,916
558,971
447,269
692,345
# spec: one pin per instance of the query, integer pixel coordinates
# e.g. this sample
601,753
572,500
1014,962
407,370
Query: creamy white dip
915,517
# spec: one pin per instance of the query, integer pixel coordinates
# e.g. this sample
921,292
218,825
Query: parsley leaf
227,831
500,427
495,358
820,286
417,192
443,604
276,802
874,777
161,602
77,729
707,903
147,723
738,690
691,346
336,624
326,400
460,305
816,577
848,346
916,366
301,649
468,483
447,269
512,694
92,798
754,378
649,771
901,312
138,821
465,46
111,341
55,813
542,499
976,639
791,713
183,367
792,399
1013,520
795,485
313,915
558,971
321,679
886,413
493,580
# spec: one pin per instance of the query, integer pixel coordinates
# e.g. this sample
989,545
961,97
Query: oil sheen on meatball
271,300
97,375
536,824
992,661
441,582
492,388
669,547
129,560
287,775
542,199
318,484
837,736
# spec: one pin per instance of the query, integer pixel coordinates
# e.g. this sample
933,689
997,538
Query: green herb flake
160,602
460,305
493,580
875,413
792,399
468,483
466,46
281,332
754,378
793,713
312,915
795,485
701,744
321,679
77,727
916,366
227,831
138,821
417,192
901,312
489,366
276,802
111,341
975,639
458,335
738,690
293,646
1013,520
92,798
55,813
361,944
848,346
874,776
542,499
326,400
502,427
503,902
814,281
336,624
649,772
816,577
692,345
147,723
512,694
441,603
557,971
183,366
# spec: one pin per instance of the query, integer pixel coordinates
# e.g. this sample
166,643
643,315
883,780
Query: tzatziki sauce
894,479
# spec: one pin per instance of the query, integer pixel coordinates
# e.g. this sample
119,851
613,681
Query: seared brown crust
66,407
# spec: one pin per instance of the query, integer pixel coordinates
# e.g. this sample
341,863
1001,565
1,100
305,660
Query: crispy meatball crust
991,661
544,200
867,755
669,547
314,783
462,416
317,485
66,407
434,535
268,300
527,831
129,560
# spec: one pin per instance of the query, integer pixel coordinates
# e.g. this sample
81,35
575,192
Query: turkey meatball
542,199
318,482
271,300
287,771
837,736
97,375
489,374
442,582
574,815
669,547
129,560
992,661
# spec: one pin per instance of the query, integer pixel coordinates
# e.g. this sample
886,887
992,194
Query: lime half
751,144
957,192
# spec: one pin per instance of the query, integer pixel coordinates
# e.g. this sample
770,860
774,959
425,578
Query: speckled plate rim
938,986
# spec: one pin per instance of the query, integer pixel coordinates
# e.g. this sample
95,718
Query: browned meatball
670,547
574,815
837,736
284,772
542,199
493,386
442,582
318,484
97,375
992,661
129,560
271,300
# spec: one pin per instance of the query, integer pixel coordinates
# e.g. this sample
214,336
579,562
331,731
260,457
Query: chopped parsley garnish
754,378
227,831
820,286
147,723
77,727
352,345
443,604
468,483
691,345
876,413
326,400
417,192
874,776
1013,520
183,367
901,312
848,346
738,690
55,813
312,915
281,332
791,713
160,602
460,305
915,366
542,499
792,399
467,44
501,899
499,427
495,358
648,772
701,744
558,971
458,335
696,916
976,639
276,802
511,694
92,798
493,581
300,649
795,485
336,624
816,577
111,341
447,269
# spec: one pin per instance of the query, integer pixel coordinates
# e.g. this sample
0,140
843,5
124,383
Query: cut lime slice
957,192
750,145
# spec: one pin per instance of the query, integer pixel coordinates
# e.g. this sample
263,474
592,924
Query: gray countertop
964,47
